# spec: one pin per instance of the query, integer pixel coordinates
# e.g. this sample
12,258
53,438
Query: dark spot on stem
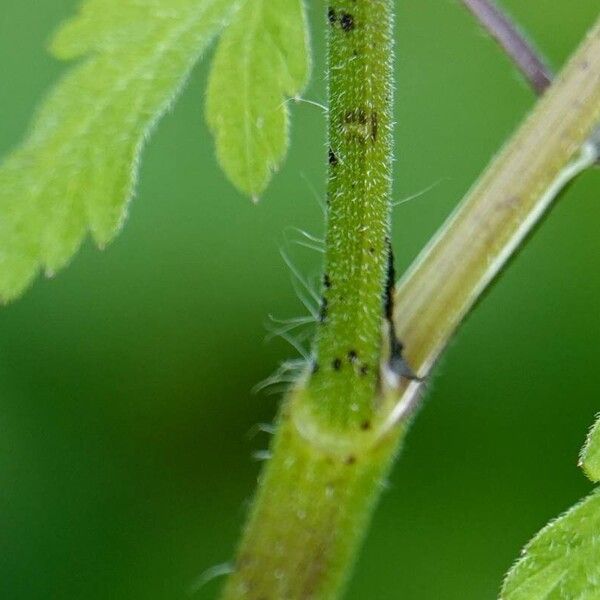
352,355
354,131
356,115
331,16
396,361
398,364
336,364
315,368
388,301
323,310
350,459
374,126
333,160
360,125
347,21
364,369
396,349
326,281
365,425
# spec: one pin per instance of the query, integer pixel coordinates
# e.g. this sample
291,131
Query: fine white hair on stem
307,240
282,326
268,428
261,455
288,320
416,194
310,246
306,302
209,575
278,389
287,373
309,236
296,273
296,345
300,100
320,105
257,428
272,380
315,194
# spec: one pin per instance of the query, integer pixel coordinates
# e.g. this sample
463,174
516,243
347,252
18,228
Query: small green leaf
77,168
262,58
563,561
590,455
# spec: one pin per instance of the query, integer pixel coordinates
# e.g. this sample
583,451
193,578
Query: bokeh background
125,405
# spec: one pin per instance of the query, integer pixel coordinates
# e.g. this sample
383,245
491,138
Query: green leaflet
77,168
261,59
563,561
590,455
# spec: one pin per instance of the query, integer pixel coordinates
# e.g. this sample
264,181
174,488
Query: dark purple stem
514,43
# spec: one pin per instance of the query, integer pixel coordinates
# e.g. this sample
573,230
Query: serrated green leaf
262,59
590,455
563,561
76,170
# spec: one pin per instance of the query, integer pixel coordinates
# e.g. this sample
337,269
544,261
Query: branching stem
317,493
513,42
556,142
521,51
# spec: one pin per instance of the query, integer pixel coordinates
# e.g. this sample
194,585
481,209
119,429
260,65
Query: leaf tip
589,458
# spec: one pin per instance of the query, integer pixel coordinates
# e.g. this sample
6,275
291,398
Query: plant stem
513,42
558,140
348,343
317,493
522,52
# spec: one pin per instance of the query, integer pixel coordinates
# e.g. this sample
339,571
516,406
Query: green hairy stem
348,344
341,425
556,142
317,491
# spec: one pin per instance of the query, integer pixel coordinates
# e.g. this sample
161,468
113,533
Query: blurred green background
125,404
